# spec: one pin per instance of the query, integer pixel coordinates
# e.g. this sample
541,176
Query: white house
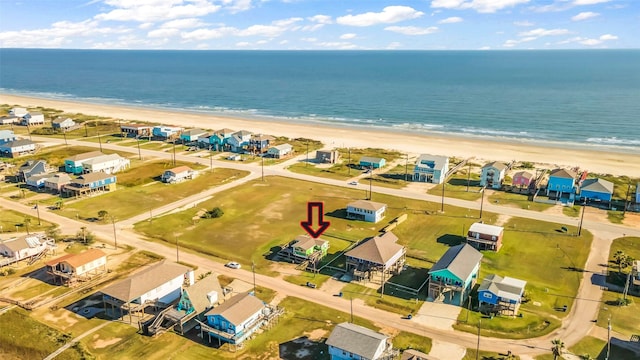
37,181
8,120
33,118
239,140
431,168
493,175
17,148
24,247
80,266
166,132
179,174
63,123
349,341
7,136
109,164
18,111
365,210
279,151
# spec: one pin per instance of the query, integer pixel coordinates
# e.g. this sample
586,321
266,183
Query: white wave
613,141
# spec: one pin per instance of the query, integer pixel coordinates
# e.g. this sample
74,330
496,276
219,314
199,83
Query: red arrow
308,225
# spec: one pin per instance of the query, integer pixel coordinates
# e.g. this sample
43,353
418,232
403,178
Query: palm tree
102,214
556,349
27,221
619,258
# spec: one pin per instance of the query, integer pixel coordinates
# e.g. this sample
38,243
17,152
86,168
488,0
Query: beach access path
576,325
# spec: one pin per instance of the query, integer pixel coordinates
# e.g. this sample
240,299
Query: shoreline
604,161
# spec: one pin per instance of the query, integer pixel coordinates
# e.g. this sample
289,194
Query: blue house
260,143
638,193
89,183
455,274
7,136
192,135
239,141
220,138
596,190
369,162
431,169
501,294
237,318
75,164
31,168
166,132
562,181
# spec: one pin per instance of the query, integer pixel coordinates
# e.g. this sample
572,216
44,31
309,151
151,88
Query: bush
213,214
7,271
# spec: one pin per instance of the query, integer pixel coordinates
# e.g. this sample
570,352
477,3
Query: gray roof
377,250
371,159
19,142
498,165
85,156
439,161
60,178
562,173
144,281
367,205
60,120
243,133
306,242
504,287
524,174
198,292
193,132
597,185
238,309
459,260
31,164
91,177
356,339
283,147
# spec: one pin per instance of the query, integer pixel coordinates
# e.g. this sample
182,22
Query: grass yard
139,191
517,200
456,186
550,261
24,338
393,178
615,217
344,169
624,319
571,211
596,348
13,221
389,302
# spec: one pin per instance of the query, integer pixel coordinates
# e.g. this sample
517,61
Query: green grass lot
341,169
396,303
24,338
517,200
456,186
486,355
392,178
615,217
139,190
571,211
55,155
550,262
596,348
10,221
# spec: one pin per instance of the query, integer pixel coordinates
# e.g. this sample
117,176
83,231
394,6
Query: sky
320,24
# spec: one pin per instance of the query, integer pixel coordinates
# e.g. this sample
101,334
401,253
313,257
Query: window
487,295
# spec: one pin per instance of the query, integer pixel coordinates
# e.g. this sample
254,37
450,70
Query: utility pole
86,132
351,300
406,167
210,161
253,269
174,152
468,177
38,212
482,202
478,345
349,163
442,203
584,205
177,249
139,153
608,338
370,182
64,133
626,200
99,139
28,129
115,238
307,163
262,168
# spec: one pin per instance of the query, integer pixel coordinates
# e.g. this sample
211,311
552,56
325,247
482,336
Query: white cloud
543,32
163,33
562,5
283,42
606,37
312,27
589,2
321,19
587,41
485,48
339,45
287,22
348,36
130,42
394,45
243,44
236,6
183,23
206,34
389,15
144,26
262,30
482,6
523,23
584,16
156,10
412,30
451,20
309,39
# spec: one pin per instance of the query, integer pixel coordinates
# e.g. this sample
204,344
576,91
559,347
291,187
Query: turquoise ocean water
586,98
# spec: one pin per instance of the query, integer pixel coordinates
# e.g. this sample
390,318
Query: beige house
77,267
379,255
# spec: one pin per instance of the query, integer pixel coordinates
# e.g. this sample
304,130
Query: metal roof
356,339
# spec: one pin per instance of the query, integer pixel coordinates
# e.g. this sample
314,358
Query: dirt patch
62,318
317,334
100,343
502,219
273,211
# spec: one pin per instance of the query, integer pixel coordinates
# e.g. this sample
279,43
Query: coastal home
17,148
485,237
259,143
192,135
37,181
63,123
329,157
74,164
156,285
365,210
9,120
638,195
136,130
204,142
431,169
31,168
71,268
220,138
7,136
560,182
492,175
349,341
280,151
239,141
166,132
380,254
18,111
237,318
635,277
596,190
522,179
56,182
501,294
304,247
178,174
109,164
455,274
90,183
369,162
33,118
24,247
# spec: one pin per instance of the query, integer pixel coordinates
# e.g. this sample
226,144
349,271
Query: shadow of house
450,240
338,213
303,348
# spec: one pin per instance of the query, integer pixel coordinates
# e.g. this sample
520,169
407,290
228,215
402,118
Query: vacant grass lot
516,200
24,338
12,221
456,186
140,190
344,169
596,348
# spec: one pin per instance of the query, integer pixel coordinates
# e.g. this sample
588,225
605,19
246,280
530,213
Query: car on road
353,183
233,265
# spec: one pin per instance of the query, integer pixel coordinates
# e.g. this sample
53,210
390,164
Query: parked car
353,183
233,265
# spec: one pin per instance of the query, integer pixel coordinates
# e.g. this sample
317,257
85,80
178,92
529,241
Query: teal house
75,164
452,278
219,139
369,162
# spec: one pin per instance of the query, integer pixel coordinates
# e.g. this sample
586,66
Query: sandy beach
596,161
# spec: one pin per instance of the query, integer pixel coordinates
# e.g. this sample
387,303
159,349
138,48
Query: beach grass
571,211
615,217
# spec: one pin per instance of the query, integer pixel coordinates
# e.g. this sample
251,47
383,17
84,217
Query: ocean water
575,98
